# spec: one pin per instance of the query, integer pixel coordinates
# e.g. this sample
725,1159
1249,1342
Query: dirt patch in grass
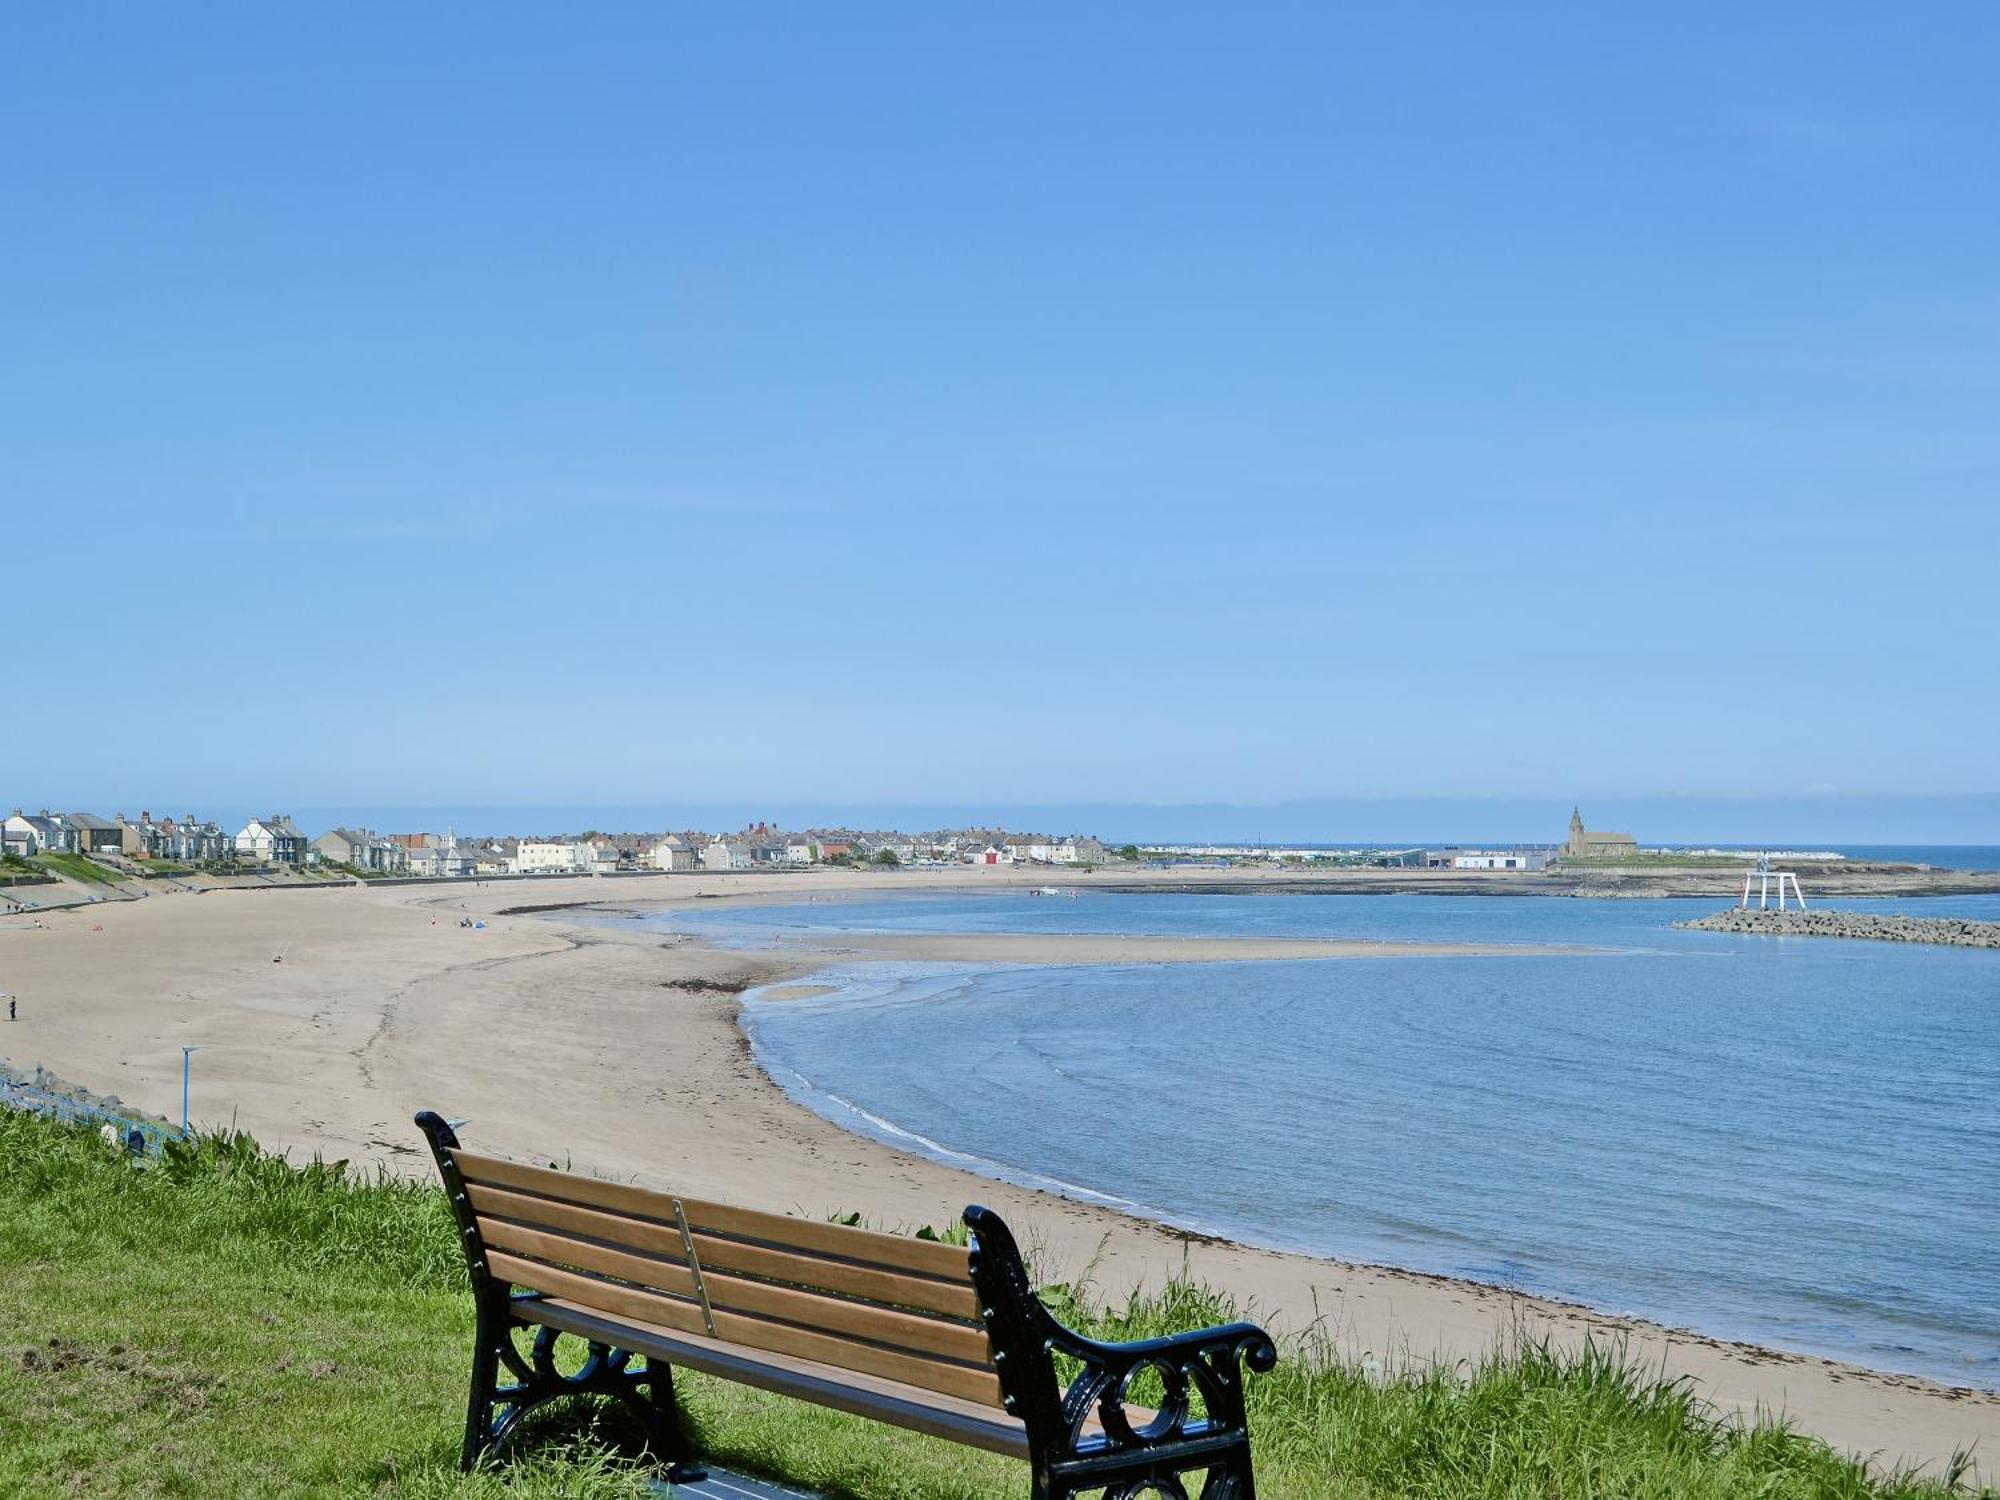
114,1378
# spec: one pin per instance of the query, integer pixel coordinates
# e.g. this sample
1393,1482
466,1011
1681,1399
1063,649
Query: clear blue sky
1100,404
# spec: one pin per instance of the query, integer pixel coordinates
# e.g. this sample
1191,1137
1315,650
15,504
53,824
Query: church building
1592,844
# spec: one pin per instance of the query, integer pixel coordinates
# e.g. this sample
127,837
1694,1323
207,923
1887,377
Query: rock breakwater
1956,932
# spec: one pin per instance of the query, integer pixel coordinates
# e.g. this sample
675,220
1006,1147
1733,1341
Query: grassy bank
224,1324
77,867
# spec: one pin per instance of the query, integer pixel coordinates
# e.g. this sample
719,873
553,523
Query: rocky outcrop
1956,932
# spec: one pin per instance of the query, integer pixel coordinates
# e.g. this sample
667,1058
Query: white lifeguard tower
1763,875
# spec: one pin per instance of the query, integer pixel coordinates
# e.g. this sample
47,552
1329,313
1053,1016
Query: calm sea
1795,1142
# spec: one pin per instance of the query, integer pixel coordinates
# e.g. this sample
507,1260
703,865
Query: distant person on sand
10,1008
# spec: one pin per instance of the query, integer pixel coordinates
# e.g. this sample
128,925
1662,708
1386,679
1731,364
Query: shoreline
623,1050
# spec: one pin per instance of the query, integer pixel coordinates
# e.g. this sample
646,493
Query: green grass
224,1324
77,867
154,869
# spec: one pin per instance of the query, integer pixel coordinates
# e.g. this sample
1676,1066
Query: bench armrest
1205,1363
1244,1341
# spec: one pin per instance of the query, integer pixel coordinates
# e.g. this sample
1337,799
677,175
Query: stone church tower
1596,843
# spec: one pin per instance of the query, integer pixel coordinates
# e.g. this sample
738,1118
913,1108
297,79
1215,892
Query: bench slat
846,1241
899,1252
864,1320
954,1301
648,1271
973,1423
626,1302
663,1240
951,1299
602,1296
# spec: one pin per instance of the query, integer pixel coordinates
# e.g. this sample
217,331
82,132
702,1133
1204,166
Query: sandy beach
327,1016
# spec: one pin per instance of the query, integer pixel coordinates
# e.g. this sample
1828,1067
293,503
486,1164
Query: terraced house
275,840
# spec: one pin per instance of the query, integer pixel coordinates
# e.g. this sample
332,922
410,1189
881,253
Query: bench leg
666,1433
490,1333
494,1411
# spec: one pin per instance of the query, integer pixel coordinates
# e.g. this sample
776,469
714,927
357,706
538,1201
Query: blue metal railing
76,1112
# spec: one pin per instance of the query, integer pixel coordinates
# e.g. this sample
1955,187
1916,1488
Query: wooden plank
616,1197
900,1252
904,1253
663,1240
670,1277
953,1299
972,1423
604,1297
864,1320
634,1304
970,1384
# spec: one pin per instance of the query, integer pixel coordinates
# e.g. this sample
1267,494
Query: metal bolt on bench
943,1339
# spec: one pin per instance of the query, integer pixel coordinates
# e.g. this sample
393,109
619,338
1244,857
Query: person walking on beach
10,1007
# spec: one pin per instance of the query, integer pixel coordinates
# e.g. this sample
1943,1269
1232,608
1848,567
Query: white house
990,855
275,840
798,852
29,833
720,854
602,857
670,854
551,857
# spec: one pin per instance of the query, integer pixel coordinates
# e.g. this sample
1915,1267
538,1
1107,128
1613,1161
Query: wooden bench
946,1339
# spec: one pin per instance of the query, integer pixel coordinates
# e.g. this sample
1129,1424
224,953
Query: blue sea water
1792,1141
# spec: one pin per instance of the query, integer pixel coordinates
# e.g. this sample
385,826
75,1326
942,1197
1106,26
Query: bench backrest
903,1309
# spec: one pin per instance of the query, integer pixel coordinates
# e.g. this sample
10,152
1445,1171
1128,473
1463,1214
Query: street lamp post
186,1053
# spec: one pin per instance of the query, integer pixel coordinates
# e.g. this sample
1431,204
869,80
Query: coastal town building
90,834
433,856
551,857
1587,843
33,833
1486,859
188,840
670,853
275,840
347,846
725,854
494,856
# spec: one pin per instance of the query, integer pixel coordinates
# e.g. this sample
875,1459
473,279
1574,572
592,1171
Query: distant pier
1954,932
